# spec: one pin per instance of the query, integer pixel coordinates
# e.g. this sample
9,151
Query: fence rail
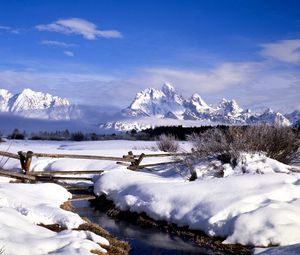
133,162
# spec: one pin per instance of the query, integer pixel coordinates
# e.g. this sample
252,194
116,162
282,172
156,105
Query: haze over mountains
150,107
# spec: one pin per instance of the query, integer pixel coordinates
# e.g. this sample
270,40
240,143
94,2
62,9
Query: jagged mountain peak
5,93
197,99
229,107
293,117
5,96
151,101
28,91
32,104
168,104
168,89
32,100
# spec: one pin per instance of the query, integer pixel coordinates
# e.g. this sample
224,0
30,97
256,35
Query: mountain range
166,104
37,105
150,107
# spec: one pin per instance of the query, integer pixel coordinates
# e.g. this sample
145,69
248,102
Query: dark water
143,241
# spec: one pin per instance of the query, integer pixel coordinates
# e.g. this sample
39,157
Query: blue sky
103,52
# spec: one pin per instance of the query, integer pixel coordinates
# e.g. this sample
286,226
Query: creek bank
115,247
211,244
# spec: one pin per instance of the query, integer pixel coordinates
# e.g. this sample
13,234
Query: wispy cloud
223,76
69,53
10,29
252,84
285,50
5,28
57,44
79,26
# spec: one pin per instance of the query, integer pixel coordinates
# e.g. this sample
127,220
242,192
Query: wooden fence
133,162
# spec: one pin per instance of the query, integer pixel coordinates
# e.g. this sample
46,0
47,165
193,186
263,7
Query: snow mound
23,206
247,163
250,209
283,250
40,203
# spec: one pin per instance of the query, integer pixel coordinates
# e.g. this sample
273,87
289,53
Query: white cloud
79,26
285,50
10,29
251,84
221,77
5,28
69,53
57,44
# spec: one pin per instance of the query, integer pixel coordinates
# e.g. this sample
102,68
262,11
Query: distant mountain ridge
150,107
39,105
166,103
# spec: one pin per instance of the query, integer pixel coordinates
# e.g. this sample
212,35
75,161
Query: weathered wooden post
22,161
29,155
135,165
25,160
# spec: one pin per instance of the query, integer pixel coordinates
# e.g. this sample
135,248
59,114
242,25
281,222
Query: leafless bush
167,143
280,143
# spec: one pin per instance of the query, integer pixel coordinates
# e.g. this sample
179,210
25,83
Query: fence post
135,165
29,155
25,160
22,161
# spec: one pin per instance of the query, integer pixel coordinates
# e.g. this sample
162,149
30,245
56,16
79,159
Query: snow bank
255,210
23,206
40,203
258,201
282,250
247,163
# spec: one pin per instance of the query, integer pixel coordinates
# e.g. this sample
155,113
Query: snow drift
259,208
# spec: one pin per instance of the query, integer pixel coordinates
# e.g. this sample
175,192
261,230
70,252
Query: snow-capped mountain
38,105
166,103
293,117
154,102
269,117
5,96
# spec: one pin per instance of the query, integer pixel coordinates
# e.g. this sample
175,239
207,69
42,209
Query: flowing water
143,241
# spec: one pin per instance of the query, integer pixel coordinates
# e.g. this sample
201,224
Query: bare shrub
280,143
167,143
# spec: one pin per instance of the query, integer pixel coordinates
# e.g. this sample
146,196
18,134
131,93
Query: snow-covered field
257,203
24,206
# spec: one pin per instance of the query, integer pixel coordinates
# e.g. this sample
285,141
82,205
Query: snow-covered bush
167,143
280,143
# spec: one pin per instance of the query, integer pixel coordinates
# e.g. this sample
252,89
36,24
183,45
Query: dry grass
67,206
280,143
167,143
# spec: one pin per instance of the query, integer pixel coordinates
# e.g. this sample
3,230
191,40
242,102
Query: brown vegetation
280,143
167,143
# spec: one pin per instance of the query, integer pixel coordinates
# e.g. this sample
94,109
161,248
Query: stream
143,241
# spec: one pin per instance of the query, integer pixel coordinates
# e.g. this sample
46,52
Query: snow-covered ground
256,203
116,148
24,206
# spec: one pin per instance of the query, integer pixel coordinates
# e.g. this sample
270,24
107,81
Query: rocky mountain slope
150,107
166,103
31,104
